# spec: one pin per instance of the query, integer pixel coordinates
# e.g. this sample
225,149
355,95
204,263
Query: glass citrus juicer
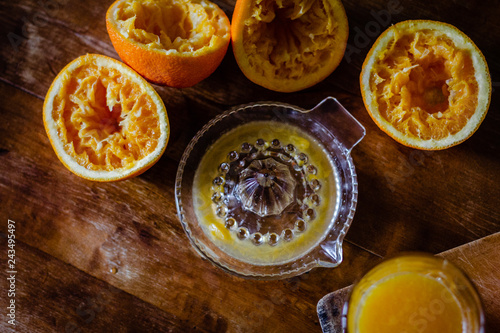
268,190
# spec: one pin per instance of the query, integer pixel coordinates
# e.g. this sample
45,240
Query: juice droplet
230,223
288,234
246,147
273,239
242,233
257,238
233,156
300,226
260,143
276,143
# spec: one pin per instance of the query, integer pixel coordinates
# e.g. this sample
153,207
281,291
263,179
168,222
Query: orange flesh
409,303
105,120
184,26
424,85
289,39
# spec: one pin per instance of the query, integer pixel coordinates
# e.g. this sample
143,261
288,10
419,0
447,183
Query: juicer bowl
278,230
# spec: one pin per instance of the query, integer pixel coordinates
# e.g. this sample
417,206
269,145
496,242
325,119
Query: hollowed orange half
426,84
170,42
104,121
288,45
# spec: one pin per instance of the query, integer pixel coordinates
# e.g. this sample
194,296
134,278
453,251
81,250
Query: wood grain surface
117,253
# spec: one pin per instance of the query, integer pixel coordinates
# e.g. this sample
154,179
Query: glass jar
414,293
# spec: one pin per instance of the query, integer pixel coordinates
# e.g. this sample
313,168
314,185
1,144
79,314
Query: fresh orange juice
410,303
414,294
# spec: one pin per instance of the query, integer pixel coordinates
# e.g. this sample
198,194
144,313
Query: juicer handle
340,122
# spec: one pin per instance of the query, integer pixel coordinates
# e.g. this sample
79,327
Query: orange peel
103,120
426,84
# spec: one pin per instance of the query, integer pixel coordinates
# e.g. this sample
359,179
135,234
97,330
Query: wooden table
113,257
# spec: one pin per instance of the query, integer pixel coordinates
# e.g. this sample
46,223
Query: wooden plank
429,201
417,200
409,200
131,227
51,296
55,37
450,213
479,259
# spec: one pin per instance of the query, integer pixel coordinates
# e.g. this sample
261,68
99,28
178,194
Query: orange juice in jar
415,293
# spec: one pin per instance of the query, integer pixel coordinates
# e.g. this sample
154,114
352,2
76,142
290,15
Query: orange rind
288,45
104,121
177,43
426,84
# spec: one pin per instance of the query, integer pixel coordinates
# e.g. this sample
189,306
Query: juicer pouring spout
330,254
